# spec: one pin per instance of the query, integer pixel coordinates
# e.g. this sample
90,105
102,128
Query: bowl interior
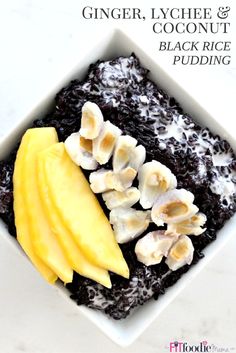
117,43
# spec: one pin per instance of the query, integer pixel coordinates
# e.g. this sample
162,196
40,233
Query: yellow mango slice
73,253
80,211
22,218
44,240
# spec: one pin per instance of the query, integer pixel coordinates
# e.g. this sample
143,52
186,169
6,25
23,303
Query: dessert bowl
117,43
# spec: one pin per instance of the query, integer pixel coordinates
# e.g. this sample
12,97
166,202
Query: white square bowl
124,332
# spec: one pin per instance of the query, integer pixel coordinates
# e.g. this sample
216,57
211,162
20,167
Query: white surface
42,40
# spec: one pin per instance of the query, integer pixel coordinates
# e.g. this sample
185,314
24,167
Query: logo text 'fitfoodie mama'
204,347
177,347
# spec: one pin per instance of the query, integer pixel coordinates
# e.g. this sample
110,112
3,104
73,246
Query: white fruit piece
181,253
91,121
137,157
154,180
103,180
104,144
153,246
174,206
125,179
192,226
80,151
121,157
128,223
125,198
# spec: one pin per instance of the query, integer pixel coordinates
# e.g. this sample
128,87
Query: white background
40,42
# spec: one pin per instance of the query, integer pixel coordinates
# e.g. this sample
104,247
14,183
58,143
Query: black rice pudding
202,162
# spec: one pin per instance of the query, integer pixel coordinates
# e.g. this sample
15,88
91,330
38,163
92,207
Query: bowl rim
126,331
